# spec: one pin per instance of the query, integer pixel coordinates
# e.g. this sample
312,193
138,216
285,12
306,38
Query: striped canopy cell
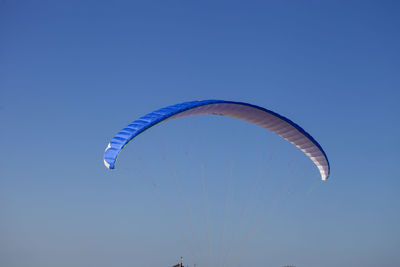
265,118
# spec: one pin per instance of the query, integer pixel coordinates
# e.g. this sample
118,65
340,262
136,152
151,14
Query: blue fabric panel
145,122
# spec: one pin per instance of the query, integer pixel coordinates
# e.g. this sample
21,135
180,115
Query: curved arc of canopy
265,118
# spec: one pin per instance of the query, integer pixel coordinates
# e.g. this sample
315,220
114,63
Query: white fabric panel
268,121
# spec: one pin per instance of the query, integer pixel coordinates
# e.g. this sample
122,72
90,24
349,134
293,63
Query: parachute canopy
244,111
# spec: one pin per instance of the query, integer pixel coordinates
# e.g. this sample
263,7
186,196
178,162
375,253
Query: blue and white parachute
244,111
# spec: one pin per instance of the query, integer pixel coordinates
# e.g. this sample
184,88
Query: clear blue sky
73,73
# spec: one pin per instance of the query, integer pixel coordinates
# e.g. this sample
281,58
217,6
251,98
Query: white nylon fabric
268,121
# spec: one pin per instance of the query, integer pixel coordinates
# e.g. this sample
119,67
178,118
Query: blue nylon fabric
140,125
147,121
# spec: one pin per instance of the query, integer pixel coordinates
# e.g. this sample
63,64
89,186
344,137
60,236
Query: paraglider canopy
265,118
